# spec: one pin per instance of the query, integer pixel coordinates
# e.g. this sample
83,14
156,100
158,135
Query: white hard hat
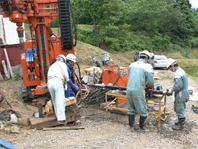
71,57
145,53
170,62
61,57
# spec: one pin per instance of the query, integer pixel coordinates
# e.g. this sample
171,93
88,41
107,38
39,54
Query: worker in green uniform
140,74
181,92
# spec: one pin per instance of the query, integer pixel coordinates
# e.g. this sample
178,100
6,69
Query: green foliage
163,25
85,35
54,22
185,52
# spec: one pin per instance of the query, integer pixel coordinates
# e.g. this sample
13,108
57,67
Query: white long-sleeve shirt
58,71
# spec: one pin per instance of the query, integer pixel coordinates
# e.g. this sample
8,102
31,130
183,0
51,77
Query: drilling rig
44,47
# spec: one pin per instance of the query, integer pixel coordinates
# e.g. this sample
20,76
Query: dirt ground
101,131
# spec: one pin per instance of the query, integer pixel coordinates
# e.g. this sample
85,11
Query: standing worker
140,75
57,79
72,88
181,92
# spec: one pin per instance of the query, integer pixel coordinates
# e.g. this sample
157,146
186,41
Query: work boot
179,125
142,127
131,122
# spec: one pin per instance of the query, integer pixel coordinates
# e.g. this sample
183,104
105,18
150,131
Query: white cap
71,57
170,62
145,53
61,57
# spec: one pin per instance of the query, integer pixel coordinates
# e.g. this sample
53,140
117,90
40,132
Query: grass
85,27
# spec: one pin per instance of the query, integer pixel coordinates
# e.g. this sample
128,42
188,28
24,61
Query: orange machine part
110,75
34,73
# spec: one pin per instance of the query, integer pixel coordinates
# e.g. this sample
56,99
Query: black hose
7,7
79,73
98,95
27,7
118,75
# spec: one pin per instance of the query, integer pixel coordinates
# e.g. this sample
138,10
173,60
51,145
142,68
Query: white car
160,61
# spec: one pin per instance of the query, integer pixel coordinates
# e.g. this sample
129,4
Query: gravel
113,132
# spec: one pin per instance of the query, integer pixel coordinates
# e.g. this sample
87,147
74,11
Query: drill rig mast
43,49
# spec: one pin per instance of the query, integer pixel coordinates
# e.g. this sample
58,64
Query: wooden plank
64,128
118,111
45,122
49,106
70,101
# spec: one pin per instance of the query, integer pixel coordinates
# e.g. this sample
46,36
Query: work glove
75,87
169,92
147,88
65,87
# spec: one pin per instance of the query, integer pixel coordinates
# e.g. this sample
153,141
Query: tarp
8,31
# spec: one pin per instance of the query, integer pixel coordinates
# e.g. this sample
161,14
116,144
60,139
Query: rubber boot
131,122
180,124
142,127
177,123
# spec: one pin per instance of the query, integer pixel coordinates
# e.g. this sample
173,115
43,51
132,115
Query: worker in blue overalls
72,88
140,75
181,92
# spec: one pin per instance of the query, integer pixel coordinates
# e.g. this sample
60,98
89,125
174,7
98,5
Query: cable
7,7
98,95
19,9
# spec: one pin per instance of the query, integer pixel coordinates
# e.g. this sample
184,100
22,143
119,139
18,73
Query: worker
72,88
140,75
181,92
57,80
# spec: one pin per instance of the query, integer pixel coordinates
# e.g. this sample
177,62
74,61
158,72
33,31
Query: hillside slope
84,52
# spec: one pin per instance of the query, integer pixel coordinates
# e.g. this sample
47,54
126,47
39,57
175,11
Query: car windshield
161,58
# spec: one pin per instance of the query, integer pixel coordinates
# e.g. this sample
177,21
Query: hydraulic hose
7,7
79,73
98,95
27,7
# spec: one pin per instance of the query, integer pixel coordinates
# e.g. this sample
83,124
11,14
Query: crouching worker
181,92
57,78
72,88
140,74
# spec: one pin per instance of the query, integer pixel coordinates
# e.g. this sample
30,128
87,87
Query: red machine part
117,77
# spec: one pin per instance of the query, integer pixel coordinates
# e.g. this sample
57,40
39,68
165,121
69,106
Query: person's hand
169,92
75,87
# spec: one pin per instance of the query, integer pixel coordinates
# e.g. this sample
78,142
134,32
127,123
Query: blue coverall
140,74
69,92
181,92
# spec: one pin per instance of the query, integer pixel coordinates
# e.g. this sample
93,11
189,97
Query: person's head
61,58
144,55
71,59
171,64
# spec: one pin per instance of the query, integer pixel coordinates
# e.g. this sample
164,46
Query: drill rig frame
44,47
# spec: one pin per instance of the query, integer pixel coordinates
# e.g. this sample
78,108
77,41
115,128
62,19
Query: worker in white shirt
57,81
